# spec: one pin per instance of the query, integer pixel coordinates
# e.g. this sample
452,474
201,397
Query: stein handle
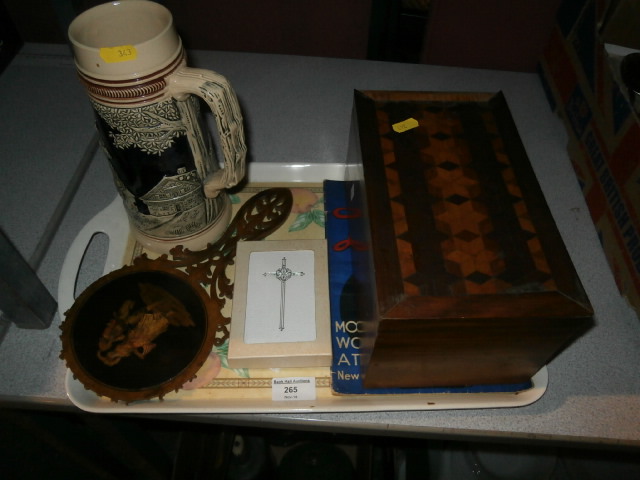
216,91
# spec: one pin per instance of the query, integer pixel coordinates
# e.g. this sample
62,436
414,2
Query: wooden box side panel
373,229
551,243
451,353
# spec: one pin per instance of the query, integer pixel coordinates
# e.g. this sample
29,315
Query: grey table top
297,109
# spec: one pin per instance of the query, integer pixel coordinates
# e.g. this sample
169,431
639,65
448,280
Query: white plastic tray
255,395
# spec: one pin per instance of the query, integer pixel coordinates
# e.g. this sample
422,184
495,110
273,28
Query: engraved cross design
283,274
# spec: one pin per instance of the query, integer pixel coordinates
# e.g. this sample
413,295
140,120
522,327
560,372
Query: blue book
346,376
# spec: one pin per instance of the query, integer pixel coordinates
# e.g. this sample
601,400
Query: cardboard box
466,280
580,71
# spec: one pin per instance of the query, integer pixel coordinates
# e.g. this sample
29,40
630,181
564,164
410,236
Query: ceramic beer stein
131,62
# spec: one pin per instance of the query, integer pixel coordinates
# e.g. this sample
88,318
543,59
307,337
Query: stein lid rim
120,4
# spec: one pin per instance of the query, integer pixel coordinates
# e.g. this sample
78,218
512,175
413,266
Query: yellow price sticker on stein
122,53
405,125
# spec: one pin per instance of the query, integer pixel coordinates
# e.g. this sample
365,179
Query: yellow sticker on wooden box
405,125
122,53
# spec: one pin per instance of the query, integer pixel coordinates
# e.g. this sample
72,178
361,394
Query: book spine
345,370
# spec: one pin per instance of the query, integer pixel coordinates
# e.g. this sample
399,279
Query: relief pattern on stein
150,128
169,215
176,206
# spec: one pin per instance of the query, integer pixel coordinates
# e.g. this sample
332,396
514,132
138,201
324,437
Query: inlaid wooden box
466,280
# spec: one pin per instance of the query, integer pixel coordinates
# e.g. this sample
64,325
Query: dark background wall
329,28
499,34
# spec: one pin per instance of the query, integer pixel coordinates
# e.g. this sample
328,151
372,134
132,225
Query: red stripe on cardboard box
559,65
626,157
596,201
